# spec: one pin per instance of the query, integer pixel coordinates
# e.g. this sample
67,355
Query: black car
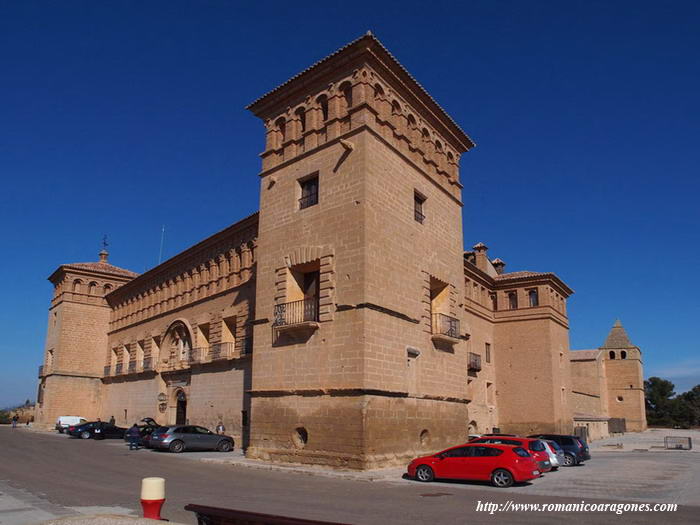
96,430
145,431
575,449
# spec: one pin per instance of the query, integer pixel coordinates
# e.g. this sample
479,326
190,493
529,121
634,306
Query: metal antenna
162,239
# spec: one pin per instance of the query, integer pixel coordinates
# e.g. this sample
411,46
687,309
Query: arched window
108,288
177,342
450,157
623,355
612,354
438,146
92,288
346,90
395,107
281,124
378,91
77,286
301,115
426,134
323,102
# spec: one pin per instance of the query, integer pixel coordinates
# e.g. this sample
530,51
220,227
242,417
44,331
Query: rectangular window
487,352
513,300
309,192
533,297
494,301
418,209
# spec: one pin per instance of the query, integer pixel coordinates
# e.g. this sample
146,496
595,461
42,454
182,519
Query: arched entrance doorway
181,410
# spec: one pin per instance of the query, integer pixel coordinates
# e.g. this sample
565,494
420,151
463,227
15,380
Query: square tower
360,354
76,338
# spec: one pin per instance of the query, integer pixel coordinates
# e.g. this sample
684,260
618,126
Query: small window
533,297
418,208
301,115
513,300
612,354
309,192
323,102
494,301
282,128
487,352
623,355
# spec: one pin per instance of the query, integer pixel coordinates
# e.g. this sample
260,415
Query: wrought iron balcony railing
118,369
107,371
132,367
445,325
296,312
308,200
474,362
147,364
419,216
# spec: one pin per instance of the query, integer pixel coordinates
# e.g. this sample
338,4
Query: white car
553,458
63,422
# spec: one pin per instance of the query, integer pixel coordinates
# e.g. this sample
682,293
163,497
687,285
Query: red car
534,446
503,465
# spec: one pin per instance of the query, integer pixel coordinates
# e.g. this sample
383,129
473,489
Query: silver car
179,438
560,456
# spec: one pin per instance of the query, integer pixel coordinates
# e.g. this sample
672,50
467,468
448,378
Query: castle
342,324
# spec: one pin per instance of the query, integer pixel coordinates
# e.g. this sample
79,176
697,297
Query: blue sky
118,117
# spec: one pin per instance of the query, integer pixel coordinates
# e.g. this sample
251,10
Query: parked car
178,438
558,451
575,449
96,430
503,465
535,447
553,458
63,422
149,426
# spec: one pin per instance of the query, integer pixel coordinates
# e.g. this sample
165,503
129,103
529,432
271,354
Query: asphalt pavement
63,476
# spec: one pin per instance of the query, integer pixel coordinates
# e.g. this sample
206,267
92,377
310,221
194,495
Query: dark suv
575,449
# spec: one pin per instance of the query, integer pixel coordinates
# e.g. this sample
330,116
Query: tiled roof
584,355
519,275
617,338
369,36
101,267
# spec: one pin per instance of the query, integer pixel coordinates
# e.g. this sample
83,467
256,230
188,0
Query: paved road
64,473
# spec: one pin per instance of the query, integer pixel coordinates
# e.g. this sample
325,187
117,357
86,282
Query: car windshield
537,446
554,445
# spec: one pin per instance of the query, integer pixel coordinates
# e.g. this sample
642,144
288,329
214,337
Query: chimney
482,260
499,265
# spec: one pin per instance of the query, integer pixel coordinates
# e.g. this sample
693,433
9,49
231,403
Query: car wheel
501,478
569,460
224,446
177,447
425,473
85,434
60,431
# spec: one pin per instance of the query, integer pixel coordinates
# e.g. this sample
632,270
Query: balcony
418,215
132,367
118,369
297,315
474,364
41,371
445,328
219,351
308,200
107,371
147,364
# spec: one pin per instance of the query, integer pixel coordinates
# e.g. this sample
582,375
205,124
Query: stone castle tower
625,380
358,348
76,338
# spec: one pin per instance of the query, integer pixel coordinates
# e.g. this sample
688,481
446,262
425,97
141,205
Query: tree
665,408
